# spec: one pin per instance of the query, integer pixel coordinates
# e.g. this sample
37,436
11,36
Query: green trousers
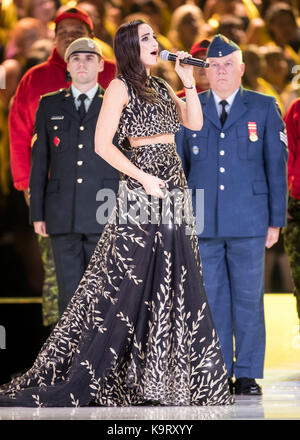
50,289
292,245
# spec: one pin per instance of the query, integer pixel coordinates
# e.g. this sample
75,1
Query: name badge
55,118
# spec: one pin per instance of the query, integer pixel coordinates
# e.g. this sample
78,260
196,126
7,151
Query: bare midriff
148,140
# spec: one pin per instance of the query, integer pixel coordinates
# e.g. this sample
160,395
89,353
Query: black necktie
224,113
81,109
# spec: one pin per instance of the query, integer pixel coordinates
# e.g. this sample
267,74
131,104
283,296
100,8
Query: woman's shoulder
122,91
123,83
118,83
117,91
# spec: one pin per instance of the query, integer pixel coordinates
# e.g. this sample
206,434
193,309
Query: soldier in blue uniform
66,173
239,160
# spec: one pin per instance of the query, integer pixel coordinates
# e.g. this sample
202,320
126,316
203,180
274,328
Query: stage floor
280,400
281,384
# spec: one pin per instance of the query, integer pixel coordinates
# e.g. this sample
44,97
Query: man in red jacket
292,231
41,79
198,50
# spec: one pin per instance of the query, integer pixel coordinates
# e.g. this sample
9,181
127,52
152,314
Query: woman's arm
115,98
189,111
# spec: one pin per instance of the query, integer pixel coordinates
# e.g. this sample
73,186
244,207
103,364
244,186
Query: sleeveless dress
138,329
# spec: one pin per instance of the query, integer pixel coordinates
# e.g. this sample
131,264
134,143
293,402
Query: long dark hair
129,64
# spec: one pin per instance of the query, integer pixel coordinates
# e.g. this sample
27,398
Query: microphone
165,55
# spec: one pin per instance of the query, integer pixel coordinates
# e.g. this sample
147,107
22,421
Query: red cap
77,14
199,48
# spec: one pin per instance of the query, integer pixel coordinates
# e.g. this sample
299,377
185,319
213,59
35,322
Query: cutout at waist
148,140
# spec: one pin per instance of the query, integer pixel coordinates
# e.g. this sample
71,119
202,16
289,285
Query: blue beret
221,46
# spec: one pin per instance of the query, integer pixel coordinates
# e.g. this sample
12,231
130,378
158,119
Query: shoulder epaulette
56,92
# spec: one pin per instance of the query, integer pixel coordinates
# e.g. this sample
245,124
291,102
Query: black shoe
231,385
247,387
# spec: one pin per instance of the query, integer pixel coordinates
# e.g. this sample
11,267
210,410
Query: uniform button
222,187
194,135
79,180
79,163
222,135
81,127
222,152
55,127
222,170
80,146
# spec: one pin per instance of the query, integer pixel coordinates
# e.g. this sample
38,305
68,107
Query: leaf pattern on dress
138,328
145,119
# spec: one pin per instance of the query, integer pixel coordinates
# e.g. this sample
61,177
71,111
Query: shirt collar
230,98
90,93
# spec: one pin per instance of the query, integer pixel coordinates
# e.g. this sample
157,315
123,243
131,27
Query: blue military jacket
66,173
241,167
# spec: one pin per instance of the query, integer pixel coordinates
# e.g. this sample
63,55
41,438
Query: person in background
277,26
187,27
255,65
63,203
277,73
198,50
26,32
215,10
239,160
136,333
37,81
283,30
44,11
232,27
15,231
44,78
292,230
96,12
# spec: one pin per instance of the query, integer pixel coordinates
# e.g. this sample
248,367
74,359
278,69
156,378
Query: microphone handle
190,61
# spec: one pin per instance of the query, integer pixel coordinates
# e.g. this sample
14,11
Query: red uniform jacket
292,120
43,78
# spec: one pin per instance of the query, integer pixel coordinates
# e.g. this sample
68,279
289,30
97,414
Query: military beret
221,46
84,45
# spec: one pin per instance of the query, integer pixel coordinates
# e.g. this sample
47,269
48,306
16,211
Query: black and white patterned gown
138,328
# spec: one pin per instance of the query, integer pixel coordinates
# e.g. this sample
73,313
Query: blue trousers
233,272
